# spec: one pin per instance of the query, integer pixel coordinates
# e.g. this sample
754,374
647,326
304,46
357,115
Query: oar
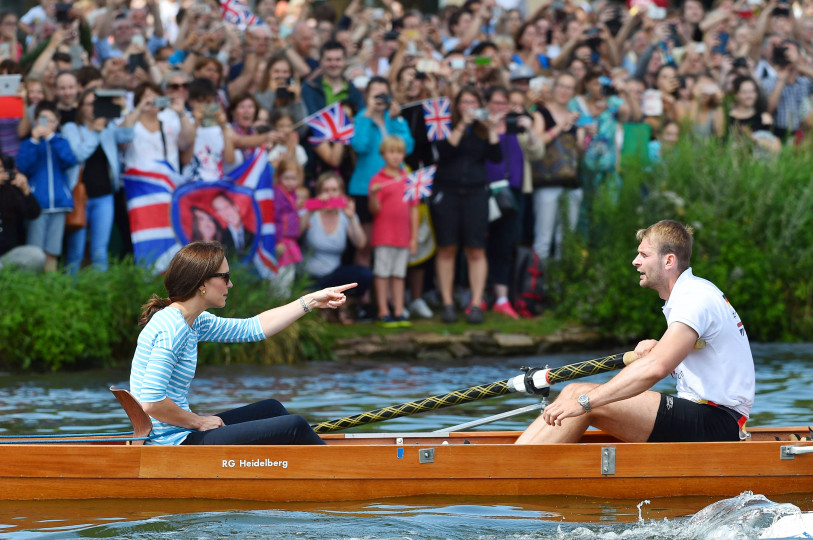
534,381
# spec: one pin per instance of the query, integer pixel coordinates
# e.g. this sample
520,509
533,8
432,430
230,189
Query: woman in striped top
164,363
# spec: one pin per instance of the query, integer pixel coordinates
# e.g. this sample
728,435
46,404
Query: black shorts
460,216
681,420
363,208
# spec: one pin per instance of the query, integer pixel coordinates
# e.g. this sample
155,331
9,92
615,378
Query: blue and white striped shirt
167,354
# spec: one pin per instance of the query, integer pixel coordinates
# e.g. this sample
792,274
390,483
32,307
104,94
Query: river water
80,403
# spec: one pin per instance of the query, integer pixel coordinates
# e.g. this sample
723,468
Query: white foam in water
740,518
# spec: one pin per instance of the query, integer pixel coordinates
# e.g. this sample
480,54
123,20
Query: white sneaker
419,307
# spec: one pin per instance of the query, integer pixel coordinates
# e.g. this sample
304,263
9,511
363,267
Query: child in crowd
395,232
287,139
45,158
288,177
213,152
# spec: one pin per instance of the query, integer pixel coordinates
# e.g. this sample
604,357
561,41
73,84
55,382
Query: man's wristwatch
584,401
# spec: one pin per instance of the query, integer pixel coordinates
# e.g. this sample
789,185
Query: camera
63,14
8,164
161,102
512,123
782,9
740,62
780,56
607,88
480,114
593,38
420,75
386,99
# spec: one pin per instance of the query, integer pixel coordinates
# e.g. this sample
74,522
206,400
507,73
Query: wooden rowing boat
372,466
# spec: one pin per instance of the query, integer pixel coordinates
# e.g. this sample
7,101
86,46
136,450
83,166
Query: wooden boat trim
355,468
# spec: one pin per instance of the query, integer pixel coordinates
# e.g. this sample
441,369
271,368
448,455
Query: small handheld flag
438,119
419,184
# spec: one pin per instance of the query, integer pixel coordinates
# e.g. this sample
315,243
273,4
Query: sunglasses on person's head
224,275
177,86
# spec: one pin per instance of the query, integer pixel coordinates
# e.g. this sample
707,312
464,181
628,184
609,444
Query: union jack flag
419,184
255,173
438,119
149,201
330,124
238,14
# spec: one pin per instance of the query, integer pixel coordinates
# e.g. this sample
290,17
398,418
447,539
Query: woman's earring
202,292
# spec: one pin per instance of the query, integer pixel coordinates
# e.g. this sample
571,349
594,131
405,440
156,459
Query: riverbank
431,340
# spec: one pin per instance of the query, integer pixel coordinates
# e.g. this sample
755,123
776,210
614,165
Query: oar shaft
534,380
457,397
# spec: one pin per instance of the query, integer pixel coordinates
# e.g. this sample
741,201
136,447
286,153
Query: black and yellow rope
474,393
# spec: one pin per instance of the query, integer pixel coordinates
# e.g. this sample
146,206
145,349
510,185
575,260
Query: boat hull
357,467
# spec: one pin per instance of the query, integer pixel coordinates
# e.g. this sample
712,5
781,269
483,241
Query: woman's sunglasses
224,275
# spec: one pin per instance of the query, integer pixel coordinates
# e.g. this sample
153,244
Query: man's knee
574,390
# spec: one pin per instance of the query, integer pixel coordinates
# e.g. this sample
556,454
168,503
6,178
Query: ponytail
153,306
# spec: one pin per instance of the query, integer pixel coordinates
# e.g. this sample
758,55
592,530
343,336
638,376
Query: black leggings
264,422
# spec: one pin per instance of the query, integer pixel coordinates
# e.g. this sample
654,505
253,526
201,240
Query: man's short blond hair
668,236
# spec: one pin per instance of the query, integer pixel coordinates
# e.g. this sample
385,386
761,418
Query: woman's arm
276,319
168,412
228,139
330,152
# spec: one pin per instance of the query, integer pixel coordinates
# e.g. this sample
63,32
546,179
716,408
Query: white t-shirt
723,371
280,150
207,159
148,147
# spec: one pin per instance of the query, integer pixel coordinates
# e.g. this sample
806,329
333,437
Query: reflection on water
80,403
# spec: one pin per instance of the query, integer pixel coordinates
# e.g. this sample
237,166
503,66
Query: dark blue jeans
264,422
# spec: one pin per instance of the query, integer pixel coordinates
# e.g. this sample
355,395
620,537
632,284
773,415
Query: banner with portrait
167,211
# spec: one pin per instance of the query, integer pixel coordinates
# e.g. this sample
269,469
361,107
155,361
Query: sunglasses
176,86
224,275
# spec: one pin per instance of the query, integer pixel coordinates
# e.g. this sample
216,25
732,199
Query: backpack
528,284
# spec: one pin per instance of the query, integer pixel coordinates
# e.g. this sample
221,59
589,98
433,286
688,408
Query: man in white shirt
715,383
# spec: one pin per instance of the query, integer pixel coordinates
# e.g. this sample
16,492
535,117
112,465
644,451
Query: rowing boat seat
142,423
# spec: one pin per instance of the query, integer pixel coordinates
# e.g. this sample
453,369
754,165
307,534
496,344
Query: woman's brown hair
479,128
81,117
188,269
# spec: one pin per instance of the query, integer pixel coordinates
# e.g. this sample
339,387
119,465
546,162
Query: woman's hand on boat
331,297
207,423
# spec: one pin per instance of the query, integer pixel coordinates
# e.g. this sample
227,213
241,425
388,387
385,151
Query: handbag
77,218
560,165
503,197
501,200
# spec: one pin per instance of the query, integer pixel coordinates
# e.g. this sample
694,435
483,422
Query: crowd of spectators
544,98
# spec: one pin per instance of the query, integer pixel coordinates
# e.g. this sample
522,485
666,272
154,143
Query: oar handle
535,380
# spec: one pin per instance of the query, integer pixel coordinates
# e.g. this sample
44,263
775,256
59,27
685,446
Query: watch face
584,401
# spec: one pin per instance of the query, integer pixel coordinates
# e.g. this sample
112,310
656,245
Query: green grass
543,324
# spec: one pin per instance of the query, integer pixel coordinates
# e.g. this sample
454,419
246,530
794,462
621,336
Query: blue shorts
681,420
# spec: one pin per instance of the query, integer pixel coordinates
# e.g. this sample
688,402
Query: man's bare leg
630,420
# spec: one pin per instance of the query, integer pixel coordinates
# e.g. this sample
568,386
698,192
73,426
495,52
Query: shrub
53,321
753,221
